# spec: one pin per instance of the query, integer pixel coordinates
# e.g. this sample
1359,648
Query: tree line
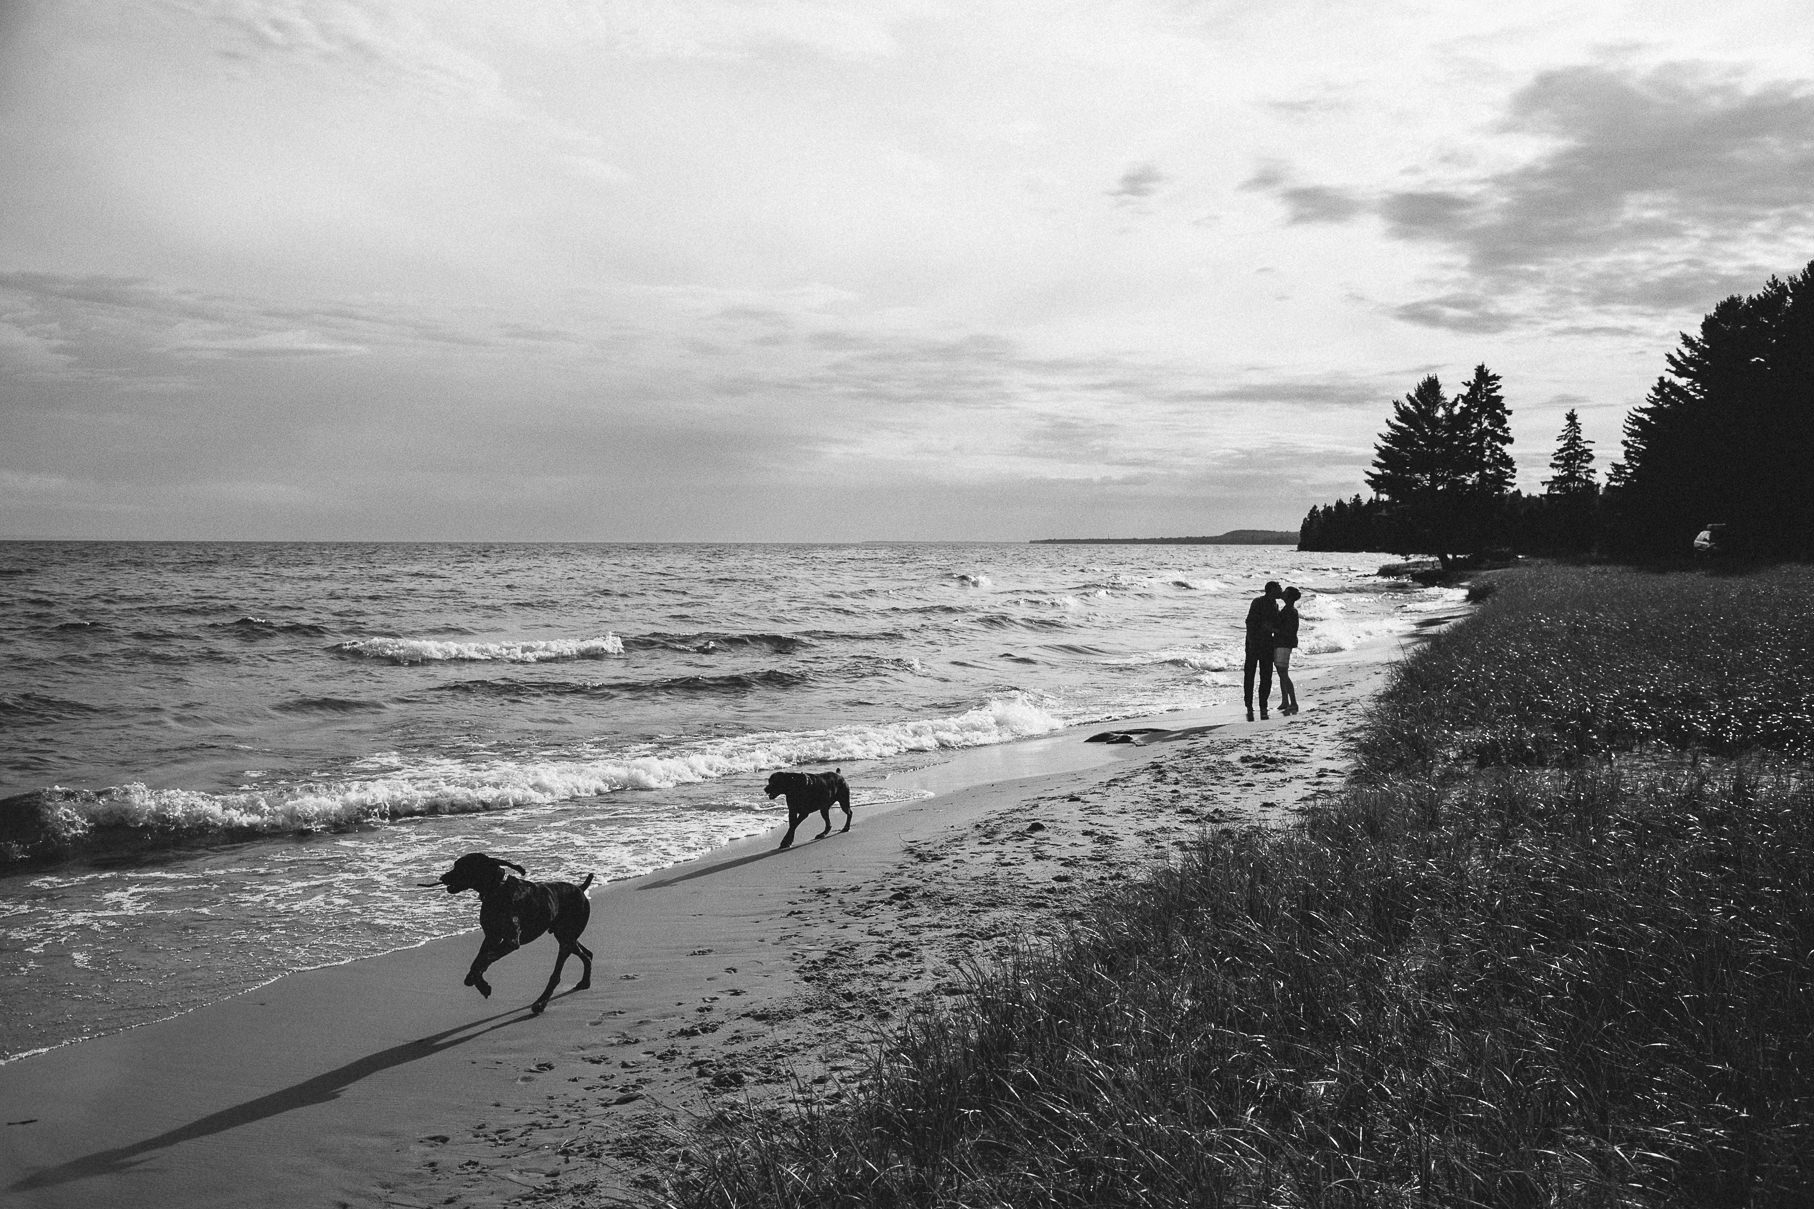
1724,437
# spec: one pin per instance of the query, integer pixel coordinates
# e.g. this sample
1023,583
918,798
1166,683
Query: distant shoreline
1234,537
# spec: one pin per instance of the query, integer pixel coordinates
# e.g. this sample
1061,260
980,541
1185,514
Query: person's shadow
318,1090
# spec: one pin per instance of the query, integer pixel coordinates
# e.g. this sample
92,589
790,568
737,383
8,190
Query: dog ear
498,860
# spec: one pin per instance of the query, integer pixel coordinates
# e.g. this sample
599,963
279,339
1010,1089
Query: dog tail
584,884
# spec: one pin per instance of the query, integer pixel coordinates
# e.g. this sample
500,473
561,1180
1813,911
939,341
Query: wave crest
57,823
428,650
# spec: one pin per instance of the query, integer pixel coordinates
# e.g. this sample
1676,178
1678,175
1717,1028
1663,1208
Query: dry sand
720,985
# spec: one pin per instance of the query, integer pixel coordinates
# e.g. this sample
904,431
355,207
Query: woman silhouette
1284,640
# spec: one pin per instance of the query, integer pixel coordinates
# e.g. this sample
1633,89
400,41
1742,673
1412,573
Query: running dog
514,911
809,792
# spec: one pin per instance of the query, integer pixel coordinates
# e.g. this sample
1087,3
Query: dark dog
807,792
514,911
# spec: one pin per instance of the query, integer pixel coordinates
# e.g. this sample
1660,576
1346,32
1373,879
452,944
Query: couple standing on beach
1272,634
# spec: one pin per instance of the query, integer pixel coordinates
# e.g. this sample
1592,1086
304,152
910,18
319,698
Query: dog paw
582,984
483,988
535,1009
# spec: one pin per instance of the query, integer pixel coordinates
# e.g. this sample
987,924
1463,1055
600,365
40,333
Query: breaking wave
128,817
428,650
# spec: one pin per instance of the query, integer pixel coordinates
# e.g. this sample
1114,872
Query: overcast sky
866,269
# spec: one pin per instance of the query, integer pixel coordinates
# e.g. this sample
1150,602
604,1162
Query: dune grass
1551,946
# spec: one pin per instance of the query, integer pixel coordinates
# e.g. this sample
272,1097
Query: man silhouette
1262,617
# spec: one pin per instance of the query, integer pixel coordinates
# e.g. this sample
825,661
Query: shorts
1281,657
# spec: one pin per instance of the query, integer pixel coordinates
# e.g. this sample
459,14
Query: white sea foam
428,650
449,786
1198,659
1435,600
1066,602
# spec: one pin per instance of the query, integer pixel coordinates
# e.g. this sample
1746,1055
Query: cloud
1335,392
1306,203
1653,186
134,329
1459,313
1429,215
1318,203
1660,190
377,44
1137,183
269,345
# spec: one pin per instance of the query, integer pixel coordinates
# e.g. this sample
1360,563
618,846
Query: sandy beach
719,984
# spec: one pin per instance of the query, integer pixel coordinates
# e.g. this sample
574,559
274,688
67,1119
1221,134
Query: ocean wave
1340,634
1219,659
57,823
260,627
709,642
736,682
1005,621
528,690
1121,581
327,705
428,650
727,683
27,709
1434,600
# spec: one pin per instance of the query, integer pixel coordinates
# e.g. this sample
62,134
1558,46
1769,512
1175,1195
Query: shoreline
720,983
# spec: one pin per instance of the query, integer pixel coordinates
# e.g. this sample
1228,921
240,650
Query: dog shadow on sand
319,1090
733,863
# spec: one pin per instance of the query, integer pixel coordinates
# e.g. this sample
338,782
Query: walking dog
807,792
514,911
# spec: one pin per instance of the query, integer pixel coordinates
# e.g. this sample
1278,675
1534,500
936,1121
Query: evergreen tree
1415,455
1726,435
1566,518
1484,425
1444,466
1573,461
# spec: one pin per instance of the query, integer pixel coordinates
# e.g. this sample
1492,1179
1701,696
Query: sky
846,271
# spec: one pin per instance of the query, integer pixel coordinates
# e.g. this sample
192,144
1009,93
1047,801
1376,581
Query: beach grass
1550,945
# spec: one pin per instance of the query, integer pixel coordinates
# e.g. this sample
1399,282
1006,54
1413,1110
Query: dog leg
554,978
825,813
793,821
489,952
585,956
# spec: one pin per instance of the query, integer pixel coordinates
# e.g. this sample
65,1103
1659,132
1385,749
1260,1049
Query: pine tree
1415,457
1444,466
1484,424
1728,433
1573,461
